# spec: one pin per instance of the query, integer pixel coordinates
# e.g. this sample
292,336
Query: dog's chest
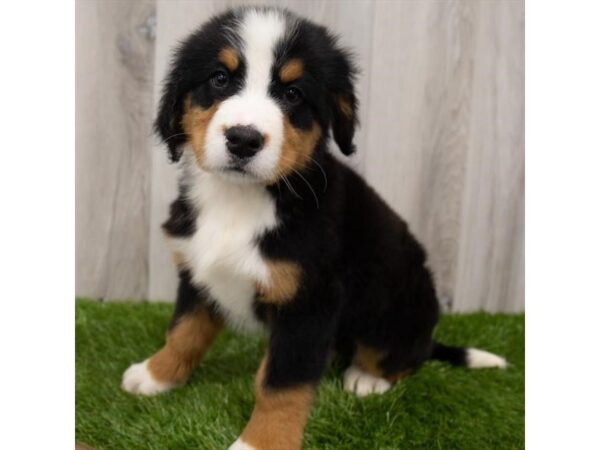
223,253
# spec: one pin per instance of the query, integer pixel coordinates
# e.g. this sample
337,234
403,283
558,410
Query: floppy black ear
345,104
168,121
344,121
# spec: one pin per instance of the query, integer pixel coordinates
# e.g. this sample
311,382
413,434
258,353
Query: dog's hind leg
365,375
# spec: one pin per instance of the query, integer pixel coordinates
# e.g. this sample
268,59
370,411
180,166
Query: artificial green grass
439,407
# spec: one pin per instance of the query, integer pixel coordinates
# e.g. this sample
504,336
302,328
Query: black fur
364,274
330,75
193,63
457,356
182,217
190,298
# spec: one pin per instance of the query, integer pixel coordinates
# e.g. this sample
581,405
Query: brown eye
219,79
293,95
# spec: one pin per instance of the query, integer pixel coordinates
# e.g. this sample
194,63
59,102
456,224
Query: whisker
317,164
322,171
289,185
309,186
174,135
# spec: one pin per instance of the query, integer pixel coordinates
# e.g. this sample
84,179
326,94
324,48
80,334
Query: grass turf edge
438,407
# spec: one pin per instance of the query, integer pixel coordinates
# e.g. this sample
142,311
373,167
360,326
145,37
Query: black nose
243,141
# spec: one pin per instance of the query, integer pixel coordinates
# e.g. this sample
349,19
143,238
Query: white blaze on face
260,31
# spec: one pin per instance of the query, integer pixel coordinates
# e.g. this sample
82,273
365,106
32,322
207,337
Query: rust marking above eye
291,70
229,58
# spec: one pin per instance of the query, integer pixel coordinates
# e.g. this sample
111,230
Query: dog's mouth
237,169
239,166
239,173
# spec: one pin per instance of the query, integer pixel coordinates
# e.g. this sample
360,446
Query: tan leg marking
368,359
285,278
291,70
187,342
279,416
195,122
80,446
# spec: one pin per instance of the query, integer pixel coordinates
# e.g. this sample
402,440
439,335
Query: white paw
362,383
240,445
138,380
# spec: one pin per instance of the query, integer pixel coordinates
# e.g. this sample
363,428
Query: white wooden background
442,137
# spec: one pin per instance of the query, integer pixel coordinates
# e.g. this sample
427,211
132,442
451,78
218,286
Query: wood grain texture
439,75
491,272
418,120
114,82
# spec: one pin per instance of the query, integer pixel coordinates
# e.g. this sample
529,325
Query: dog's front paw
138,380
362,383
240,445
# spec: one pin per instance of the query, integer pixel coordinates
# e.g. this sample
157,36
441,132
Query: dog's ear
344,103
168,121
344,121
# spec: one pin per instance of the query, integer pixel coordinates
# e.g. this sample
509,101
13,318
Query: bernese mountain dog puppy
270,231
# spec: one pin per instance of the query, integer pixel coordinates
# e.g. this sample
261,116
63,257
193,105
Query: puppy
270,231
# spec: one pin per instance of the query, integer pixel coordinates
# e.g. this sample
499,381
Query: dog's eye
293,95
219,79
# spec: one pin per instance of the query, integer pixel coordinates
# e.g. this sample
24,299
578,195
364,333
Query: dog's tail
472,358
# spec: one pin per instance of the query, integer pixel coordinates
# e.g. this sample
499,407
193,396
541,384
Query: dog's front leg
193,328
279,415
287,379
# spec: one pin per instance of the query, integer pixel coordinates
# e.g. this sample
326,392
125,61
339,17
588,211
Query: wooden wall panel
490,263
445,140
114,60
418,122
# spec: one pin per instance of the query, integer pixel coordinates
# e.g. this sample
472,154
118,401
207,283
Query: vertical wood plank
115,54
445,145
420,100
491,254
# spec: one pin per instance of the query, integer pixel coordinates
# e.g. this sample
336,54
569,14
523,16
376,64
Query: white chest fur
223,255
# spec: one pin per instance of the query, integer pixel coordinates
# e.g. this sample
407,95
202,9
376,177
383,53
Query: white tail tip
479,359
